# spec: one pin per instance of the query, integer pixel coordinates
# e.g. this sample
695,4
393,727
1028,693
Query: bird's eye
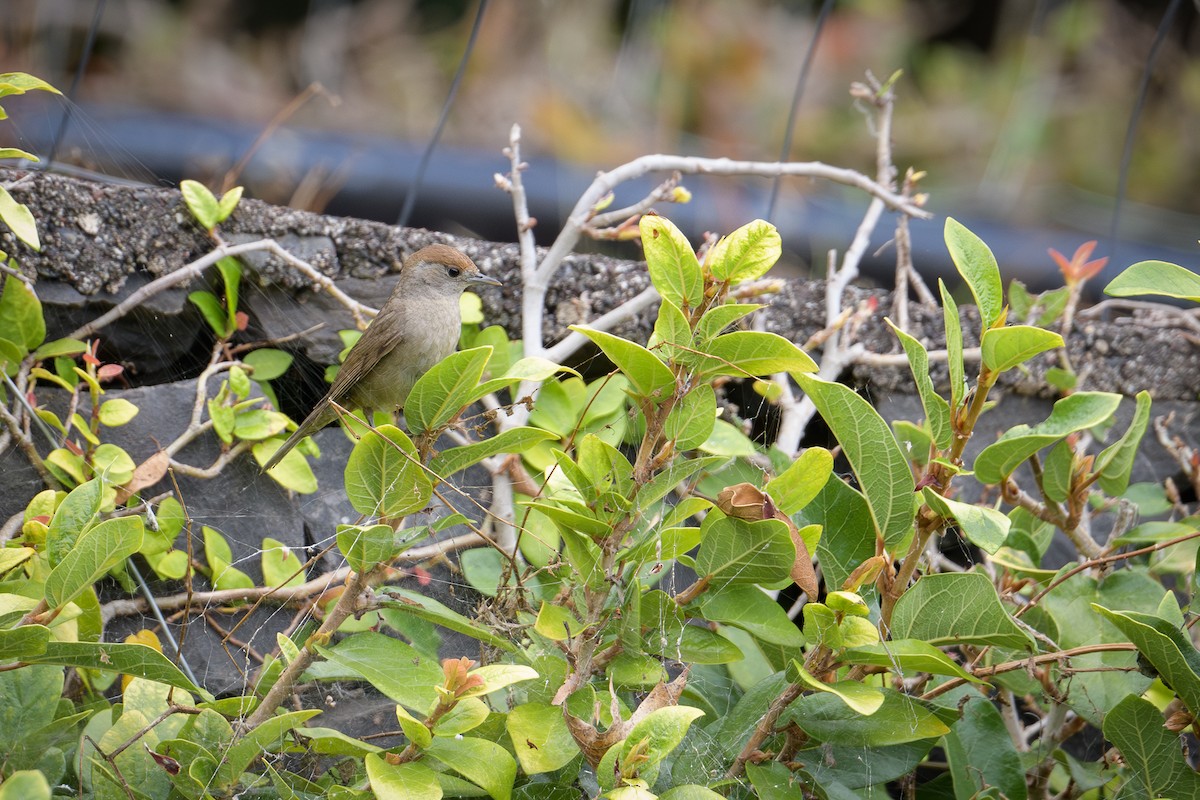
453,272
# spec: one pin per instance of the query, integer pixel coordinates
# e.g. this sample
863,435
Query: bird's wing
382,336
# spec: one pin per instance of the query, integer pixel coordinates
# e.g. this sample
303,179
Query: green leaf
796,486
977,265
540,737
27,640
753,353
907,657
26,784
649,377
293,472
1005,348
364,546
391,666
73,516
213,311
1056,471
899,719
954,609
431,610
267,363
954,345
983,526
485,764
16,152
726,440
60,347
1151,751
736,551
268,737
1158,278
281,567
654,738
848,536
532,369
11,355
1167,648
231,276
201,203
671,328
556,623
863,699
256,424
228,203
981,752
19,219
138,660
752,610
98,549
117,412
718,318
1115,463
445,389
220,558
671,262
691,421
746,254
1073,413
513,440
384,476
878,463
937,410
113,464
21,315
410,781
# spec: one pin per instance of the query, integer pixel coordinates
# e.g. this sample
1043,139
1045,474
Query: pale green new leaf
671,262
746,254
1005,348
21,320
753,353
937,410
540,737
691,421
1073,413
796,486
410,781
954,345
863,699
977,265
907,657
983,526
649,376
485,764
1115,463
19,219
1158,278
201,202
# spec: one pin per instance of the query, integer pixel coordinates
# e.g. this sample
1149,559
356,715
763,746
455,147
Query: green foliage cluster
601,677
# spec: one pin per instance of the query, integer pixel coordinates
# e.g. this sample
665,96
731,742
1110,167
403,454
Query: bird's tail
320,416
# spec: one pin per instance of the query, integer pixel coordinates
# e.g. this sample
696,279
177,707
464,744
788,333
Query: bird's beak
486,280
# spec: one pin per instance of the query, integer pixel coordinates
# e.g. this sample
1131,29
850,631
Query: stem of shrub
345,606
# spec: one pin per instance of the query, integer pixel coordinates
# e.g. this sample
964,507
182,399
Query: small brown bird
417,327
